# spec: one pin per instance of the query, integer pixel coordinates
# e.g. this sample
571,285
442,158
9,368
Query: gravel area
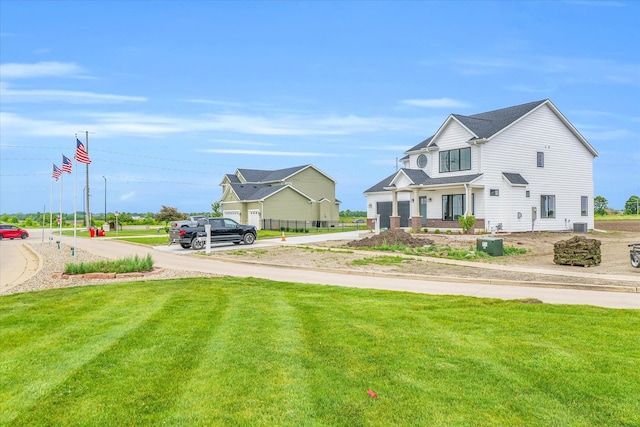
54,260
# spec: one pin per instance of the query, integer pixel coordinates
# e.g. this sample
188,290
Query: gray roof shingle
459,179
254,191
420,178
515,178
485,125
259,176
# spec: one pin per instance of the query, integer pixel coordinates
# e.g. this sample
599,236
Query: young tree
216,208
632,205
168,214
600,205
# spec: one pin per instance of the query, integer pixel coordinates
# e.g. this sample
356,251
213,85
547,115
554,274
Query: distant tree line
631,207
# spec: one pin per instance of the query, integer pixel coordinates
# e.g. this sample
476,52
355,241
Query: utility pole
105,200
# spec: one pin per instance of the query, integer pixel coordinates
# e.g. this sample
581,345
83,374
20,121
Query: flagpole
60,217
51,212
75,211
88,214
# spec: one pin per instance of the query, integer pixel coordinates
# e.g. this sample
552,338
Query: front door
423,209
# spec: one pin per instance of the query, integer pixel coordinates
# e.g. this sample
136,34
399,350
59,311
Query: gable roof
487,125
279,175
415,175
255,192
421,179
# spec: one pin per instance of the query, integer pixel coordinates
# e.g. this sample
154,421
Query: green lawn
225,352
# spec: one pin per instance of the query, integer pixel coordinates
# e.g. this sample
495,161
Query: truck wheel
197,244
635,261
248,239
185,245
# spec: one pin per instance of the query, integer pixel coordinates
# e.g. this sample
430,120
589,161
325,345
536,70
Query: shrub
466,222
425,230
123,265
437,231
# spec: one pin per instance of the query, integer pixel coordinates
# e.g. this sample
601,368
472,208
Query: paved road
166,257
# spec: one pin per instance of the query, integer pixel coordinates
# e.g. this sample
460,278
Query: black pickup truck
222,230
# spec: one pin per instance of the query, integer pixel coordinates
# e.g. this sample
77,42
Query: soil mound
391,238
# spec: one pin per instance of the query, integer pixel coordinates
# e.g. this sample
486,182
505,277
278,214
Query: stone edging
59,275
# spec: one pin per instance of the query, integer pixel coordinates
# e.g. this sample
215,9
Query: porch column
467,198
394,219
416,219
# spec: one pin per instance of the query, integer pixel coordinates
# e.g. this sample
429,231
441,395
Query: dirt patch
342,254
619,225
392,238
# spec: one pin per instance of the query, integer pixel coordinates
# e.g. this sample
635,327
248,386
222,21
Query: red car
8,231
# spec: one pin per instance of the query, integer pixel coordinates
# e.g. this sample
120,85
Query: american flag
66,164
56,172
81,154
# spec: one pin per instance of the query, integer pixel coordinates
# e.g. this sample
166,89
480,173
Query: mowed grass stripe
141,374
44,341
253,374
229,351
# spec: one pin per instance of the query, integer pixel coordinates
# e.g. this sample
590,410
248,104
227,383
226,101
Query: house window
583,205
547,206
494,192
422,161
540,159
527,193
455,160
453,206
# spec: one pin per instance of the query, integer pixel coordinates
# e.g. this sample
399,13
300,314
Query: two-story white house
516,169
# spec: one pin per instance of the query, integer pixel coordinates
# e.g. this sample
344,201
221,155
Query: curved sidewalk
164,258
18,263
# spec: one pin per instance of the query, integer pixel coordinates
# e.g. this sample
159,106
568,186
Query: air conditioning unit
580,227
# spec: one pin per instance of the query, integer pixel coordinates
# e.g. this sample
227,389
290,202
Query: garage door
385,210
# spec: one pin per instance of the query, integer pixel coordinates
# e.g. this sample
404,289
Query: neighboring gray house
519,168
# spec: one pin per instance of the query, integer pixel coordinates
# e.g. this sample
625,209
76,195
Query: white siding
567,173
452,137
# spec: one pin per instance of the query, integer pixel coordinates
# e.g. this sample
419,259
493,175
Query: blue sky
176,94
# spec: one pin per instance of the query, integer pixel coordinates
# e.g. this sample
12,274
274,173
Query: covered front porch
432,206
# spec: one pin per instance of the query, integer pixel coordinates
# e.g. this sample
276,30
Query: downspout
467,198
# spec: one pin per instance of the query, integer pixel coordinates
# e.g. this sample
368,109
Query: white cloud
128,196
126,124
242,142
268,153
72,97
571,70
398,148
607,135
40,69
435,103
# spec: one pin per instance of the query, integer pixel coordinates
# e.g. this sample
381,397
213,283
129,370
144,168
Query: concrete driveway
168,259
